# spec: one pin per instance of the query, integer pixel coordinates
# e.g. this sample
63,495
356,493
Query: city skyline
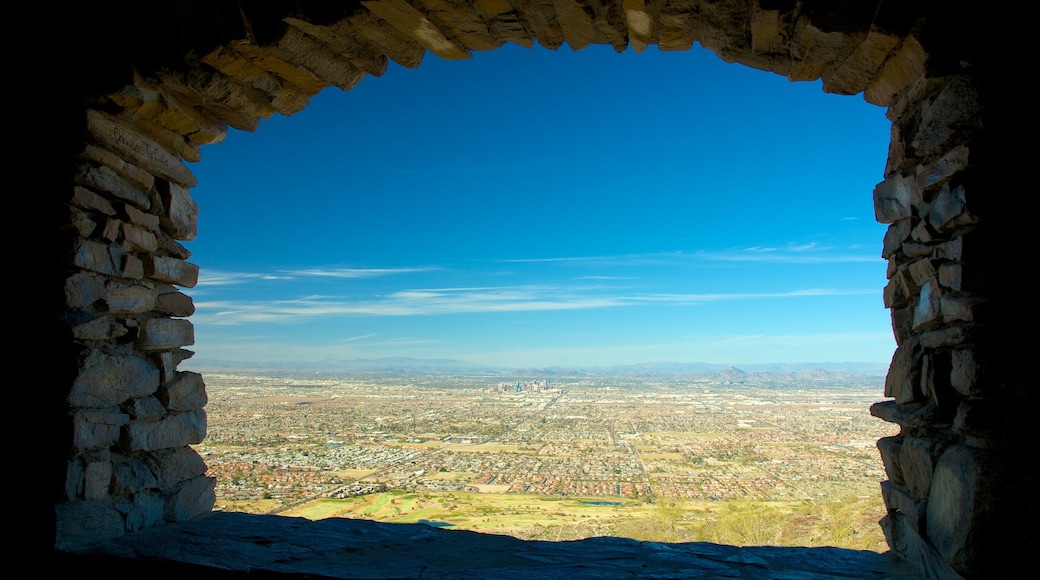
532,208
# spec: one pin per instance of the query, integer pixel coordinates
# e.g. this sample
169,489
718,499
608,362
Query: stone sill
236,545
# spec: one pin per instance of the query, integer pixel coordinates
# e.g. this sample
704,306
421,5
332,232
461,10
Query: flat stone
121,298
87,199
103,179
173,271
174,303
138,177
137,217
165,334
128,142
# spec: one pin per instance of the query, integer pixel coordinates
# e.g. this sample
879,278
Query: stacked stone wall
957,462
950,196
133,415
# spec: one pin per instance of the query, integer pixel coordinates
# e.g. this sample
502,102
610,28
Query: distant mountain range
405,365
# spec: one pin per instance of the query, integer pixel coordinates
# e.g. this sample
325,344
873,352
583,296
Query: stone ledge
238,545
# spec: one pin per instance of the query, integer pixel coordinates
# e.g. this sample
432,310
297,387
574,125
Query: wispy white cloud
356,272
222,278
806,253
446,301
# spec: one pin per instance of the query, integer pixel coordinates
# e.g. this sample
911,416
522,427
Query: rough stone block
909,417
86,199
952,250
955,110
949,210
186,392
105,380
176,466
904,375
951,276
97,480
889,448
97,257
146,408
133,174
74,479
942,168
96,429
894,199
192,498
132,476
80,523
896,234
174,430
935,378
928,312
921,271
173,271
902,322
140,218
964,376
959,520
111,231
946,336
894,294
899,499
905,64
172,302
82,290
182,213
82,223
133,268
923,233
138,239
956,309
99,328
146,510
917,456
103,179
128,298
165,334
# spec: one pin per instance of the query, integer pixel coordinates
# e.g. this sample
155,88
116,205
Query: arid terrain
737,460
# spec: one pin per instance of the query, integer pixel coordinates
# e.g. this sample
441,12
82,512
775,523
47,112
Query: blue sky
532,208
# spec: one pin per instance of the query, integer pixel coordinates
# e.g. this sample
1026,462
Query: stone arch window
150,89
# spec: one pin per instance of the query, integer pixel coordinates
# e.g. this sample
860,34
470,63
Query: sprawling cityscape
650,456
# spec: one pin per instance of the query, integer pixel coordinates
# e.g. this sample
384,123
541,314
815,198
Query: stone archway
125,415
